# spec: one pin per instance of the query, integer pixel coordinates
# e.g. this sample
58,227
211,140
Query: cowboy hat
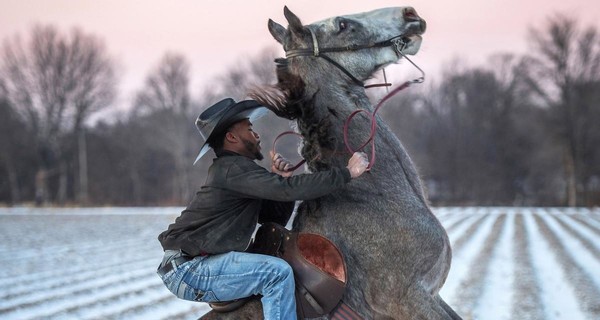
222,115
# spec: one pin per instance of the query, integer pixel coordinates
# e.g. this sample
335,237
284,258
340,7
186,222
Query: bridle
398,44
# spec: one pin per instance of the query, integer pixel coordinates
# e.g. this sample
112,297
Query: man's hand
358,164
280,165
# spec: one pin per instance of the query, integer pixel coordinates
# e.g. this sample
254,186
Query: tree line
521,130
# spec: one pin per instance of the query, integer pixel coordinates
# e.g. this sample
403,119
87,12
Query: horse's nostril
410,14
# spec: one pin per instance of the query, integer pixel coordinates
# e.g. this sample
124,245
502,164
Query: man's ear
231,137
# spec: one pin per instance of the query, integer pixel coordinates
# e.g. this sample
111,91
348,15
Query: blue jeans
235,275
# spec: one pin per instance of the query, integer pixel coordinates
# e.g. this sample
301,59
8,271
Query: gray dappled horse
397,253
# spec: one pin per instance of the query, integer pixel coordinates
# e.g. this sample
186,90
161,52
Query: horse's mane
287,99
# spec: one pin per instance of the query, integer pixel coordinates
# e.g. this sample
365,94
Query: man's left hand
280,165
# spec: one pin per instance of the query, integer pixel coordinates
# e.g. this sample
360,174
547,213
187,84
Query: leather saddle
319,269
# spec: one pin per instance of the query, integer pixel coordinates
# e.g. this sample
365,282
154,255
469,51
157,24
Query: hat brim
248,109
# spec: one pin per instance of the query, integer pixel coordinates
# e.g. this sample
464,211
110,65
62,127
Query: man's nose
256,135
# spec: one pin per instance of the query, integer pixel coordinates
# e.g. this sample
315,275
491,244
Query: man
205,258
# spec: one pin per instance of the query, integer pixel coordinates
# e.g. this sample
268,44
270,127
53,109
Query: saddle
319,269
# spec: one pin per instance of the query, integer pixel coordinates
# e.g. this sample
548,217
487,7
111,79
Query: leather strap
309,298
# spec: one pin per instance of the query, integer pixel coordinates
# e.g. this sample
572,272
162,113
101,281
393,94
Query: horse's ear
294,22
277,31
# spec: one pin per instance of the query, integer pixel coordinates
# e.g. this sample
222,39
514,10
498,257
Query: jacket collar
227,153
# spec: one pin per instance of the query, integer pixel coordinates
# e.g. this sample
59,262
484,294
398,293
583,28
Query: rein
399,44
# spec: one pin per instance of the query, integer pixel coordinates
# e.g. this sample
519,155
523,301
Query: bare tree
165,99
166,87
565,74
246,74
11,138
55,83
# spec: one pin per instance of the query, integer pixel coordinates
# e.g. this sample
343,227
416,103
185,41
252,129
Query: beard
253,149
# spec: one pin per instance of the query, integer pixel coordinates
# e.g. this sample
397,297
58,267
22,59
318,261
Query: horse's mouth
412,43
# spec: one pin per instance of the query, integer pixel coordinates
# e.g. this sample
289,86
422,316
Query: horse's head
359,43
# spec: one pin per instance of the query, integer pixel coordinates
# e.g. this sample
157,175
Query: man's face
250,139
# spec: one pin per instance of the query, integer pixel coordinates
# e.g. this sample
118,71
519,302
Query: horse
397,253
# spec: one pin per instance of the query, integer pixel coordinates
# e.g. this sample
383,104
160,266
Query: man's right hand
357,165
280,165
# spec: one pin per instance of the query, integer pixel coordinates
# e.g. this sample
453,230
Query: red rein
372,133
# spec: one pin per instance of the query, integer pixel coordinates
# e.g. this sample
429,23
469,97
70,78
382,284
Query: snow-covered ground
99,263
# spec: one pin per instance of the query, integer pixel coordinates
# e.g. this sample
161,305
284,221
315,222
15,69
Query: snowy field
509,263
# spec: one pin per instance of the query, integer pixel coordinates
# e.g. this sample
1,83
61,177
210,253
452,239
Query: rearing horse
397,253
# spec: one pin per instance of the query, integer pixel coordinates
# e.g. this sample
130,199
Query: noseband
397,43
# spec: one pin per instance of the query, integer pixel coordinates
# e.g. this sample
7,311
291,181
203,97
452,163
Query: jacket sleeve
255,181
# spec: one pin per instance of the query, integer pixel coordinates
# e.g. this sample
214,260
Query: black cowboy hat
222,115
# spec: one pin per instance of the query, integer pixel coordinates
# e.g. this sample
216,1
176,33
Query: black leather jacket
239,193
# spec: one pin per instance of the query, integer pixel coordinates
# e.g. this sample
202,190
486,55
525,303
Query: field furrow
459,240
579,279
69,289
463,257
471,286
526,301
45,284
54,308
451,223
40,270
578,232
499,278
557,295
585,220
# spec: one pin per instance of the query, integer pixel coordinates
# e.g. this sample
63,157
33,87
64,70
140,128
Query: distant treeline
522,130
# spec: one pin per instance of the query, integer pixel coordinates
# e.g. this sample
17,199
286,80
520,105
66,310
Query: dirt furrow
452,225
472,286
26,267
54,251
122,307
464,238
55,308
587,243
24,289
527,303
53,278
585,220
73,311
583,285
595,216
97,284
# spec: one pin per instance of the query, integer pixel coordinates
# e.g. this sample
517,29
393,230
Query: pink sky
214,35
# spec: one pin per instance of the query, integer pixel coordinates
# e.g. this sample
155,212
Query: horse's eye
343,25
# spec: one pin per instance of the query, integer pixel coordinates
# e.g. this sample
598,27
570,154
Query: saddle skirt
319,268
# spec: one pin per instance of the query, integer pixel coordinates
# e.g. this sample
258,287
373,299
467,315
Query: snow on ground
557,294
499,279
100,263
